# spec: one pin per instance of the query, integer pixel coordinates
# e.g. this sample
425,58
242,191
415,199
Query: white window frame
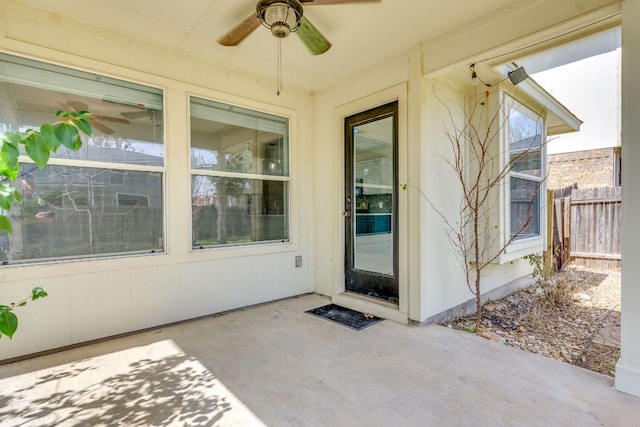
249,176
528,245
19,73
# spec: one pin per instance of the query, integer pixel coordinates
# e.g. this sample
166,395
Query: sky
585,77
590,89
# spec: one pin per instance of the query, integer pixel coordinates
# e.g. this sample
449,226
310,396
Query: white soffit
595,44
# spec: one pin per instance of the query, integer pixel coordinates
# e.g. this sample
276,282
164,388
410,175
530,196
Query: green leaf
6,200
37,149
13,138
22,304
84,114
8,195
77,143
8,322
38,293
5,224
9,160
48,133
84,126
68,136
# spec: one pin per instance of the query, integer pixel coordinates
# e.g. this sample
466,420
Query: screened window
525,136
239,175
105,199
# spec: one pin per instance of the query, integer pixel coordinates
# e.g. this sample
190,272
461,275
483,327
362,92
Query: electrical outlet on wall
298,261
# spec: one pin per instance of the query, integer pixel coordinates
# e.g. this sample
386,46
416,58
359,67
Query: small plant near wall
536,261
38,145
556,290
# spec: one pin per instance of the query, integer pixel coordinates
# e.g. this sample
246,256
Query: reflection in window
105,198
233,139
236,210
71,212
228,144
525,130
525,207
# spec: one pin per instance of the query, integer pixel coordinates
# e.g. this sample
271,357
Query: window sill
242,250
520,248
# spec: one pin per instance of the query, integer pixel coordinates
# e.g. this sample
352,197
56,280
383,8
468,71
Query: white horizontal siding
88,306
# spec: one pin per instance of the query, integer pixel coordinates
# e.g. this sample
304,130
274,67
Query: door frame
386,283
399,312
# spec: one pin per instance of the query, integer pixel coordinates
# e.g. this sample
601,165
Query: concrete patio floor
275,365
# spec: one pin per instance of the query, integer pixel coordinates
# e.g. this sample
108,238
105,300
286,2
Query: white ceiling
362,34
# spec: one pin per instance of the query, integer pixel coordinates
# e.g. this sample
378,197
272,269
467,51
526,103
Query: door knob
346,214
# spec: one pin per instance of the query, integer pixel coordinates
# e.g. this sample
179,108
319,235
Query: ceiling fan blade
102,128
240,31
111,119
78,106
321,2
132,115
312,38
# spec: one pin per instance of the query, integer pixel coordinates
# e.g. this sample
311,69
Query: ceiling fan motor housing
280,16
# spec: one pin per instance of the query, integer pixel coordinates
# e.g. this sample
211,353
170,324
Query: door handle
346,214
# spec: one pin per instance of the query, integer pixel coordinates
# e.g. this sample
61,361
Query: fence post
548,253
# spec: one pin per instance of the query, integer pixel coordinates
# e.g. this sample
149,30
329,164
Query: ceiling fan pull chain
279,66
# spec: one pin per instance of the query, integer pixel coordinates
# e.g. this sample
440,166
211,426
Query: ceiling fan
95,120
140,111
283,17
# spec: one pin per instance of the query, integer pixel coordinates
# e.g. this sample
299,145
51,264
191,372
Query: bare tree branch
481,168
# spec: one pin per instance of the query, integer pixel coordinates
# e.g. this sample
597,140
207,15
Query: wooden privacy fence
587,227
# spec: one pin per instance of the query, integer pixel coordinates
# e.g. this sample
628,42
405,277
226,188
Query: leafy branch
38,144
9,320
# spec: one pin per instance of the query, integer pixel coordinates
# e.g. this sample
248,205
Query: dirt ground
574,318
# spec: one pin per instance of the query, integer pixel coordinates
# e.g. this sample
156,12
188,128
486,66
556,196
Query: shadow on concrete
169,389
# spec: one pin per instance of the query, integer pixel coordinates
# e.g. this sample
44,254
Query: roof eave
559,118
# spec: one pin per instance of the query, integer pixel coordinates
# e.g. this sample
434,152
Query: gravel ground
575,318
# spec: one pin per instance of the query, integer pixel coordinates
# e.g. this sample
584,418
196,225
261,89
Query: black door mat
345,316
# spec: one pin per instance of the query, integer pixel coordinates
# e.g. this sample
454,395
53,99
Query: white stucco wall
441,271
98,298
